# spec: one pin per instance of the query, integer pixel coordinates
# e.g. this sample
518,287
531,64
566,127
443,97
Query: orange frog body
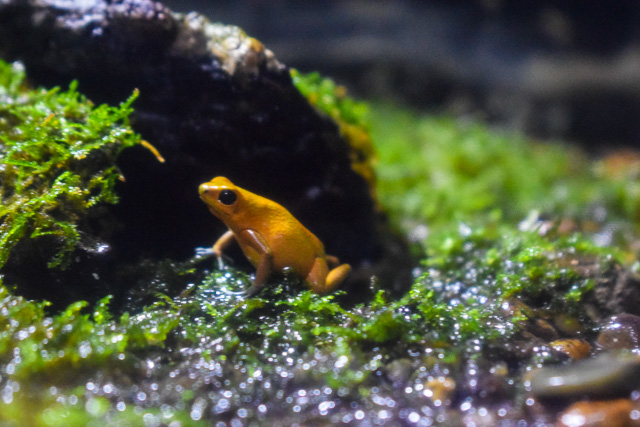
270,237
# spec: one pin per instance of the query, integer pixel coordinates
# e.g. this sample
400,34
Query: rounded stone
607,375
620,332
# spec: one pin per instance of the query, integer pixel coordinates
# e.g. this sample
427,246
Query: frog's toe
223,261
203,252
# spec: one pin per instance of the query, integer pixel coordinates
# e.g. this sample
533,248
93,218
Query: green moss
504,222
439,172
331,98
56,160
350,115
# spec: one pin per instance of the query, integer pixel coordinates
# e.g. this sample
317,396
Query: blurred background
551,69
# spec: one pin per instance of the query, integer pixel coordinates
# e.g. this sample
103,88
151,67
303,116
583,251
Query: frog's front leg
258,251
223,241
220,244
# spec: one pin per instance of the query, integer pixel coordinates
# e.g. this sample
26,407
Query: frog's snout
203,189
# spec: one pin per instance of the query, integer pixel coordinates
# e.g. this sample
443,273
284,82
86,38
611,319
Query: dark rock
539,67
214,102
619,292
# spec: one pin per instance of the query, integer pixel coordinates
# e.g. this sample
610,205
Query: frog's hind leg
337,276
332,261
317,277
323,281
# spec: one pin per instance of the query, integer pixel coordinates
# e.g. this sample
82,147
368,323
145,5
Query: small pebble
609,413
441,388
568,325
574,348
620,332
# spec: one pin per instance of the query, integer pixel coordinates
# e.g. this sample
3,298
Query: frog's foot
337,276
206,252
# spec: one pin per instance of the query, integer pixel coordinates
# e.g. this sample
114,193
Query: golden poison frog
270,237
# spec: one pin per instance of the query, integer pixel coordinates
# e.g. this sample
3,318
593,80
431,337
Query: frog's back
292,244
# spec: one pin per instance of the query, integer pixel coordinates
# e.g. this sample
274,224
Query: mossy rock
213,101
57,157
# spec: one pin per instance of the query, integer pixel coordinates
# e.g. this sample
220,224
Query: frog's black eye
227,197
